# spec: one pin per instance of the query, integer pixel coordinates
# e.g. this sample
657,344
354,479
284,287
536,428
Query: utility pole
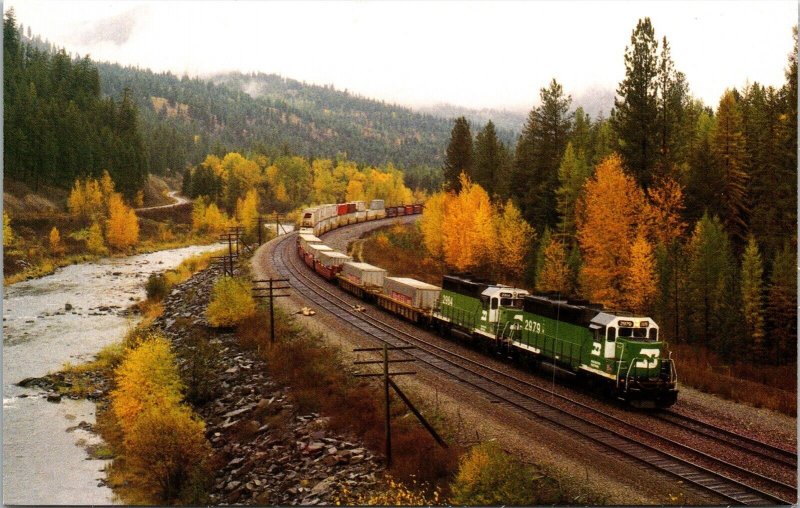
389,383
274,285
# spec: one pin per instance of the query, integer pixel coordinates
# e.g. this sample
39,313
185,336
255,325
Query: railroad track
758,448
495,385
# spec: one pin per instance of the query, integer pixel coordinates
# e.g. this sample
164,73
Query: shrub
167,454
231,302
489,476
156,287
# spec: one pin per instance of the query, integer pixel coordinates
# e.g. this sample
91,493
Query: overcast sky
472,54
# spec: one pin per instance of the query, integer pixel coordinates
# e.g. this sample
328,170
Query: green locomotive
613,350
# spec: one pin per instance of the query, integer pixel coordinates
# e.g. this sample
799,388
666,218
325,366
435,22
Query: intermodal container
315,248
332,258
306,240
391,212
341,208
351,207
417,208
401,210
415,293
409,209
363,274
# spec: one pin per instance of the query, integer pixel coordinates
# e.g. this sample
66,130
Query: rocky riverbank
268,453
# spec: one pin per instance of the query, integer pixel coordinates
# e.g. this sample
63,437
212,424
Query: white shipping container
360,206
412,292
361,216
315,248
376,204
363,274
306,240
372,214
333,258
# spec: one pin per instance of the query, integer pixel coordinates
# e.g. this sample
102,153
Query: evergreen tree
635,113
673,97
781,312
572,173
704,181
488,163
711,304
728,149
752,302
539,151
459,155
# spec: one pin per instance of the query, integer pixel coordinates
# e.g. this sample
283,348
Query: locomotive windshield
511,302
639,333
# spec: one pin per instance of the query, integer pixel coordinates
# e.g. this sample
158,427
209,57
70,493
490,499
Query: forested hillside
57,124
184,119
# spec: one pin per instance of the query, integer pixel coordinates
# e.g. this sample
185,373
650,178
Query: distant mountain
511,121
595,100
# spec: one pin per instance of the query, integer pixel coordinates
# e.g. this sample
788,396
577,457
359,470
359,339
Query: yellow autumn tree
468,237
639,284
355,188
247,211
138,201
165,451
8,233
608,212
514,238
122,226
231,302
147,377
215,220
554,274
95,243
76,203
430,224
106,185
56,247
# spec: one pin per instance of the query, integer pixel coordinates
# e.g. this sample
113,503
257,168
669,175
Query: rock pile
267,453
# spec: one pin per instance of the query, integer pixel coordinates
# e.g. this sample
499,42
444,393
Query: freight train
617,352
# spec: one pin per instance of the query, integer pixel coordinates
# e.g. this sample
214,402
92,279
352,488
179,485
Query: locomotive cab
632,353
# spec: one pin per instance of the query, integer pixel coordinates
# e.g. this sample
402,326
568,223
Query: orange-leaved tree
247,211
468,237
514,238
608,214
56,247
122,226
554,274
640,281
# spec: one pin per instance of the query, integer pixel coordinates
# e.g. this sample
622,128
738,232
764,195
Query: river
44,459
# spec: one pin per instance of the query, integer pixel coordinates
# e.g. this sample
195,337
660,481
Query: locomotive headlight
644,324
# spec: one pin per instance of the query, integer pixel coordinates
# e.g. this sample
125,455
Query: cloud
115,29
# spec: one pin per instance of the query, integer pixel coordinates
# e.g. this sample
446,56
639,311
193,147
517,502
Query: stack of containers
377,208
361,211
315,248
305,240
341,212
363,274
332,258
412,292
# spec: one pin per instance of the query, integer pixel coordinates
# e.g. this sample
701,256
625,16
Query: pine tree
635,113
572,174
488,161
459,155
711,305
538,155
673,97
704,182
752,301
781,312
730,157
